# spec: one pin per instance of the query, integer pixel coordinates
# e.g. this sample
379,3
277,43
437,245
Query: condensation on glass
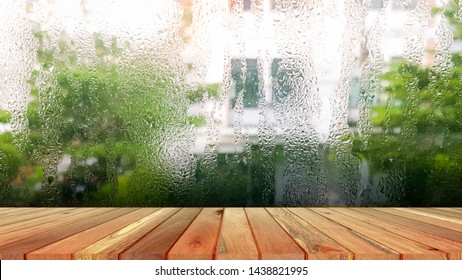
230,102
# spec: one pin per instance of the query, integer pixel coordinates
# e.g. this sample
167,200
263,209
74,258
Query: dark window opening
377,4
247,5
282,80
249,84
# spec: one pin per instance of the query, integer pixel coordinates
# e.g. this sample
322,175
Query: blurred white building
245,45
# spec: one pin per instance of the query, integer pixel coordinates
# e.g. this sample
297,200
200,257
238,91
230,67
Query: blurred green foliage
420,146
5,116
110,119
198,94
416,150
10,162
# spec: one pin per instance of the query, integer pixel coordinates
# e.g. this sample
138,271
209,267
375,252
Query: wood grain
23,220
426,213
310,239
418,216
272,241
444,212
454,210
453,249
363,248
199,240
9,211
236,241
39,228
436,230
5,210
408,249
155,245
66,248
18,249
112,245
230,233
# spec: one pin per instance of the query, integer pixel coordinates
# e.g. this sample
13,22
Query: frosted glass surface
230,103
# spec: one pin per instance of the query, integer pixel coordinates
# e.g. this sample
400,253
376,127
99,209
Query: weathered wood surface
67,248
315,244
236,240
231,233
408,248
363,248
112,245
200,238
155,245
272,240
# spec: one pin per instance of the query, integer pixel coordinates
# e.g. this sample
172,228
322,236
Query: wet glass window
247,5
245,84
377,4
407,4
230,103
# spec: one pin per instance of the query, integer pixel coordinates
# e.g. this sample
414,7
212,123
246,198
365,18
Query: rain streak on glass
230,103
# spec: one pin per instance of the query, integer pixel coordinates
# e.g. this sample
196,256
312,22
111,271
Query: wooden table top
231,233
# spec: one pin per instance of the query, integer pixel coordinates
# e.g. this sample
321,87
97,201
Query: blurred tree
418,151
107,116
10,161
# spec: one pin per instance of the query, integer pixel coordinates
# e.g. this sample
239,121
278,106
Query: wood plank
29,218
11,212
155,245
422,218
236,233
199,240
408,249
436,230
316,245
445,212
362,247
112,245
272,241
7,211
427,213
236,241
37,219
450,209
19,249
453,249
78,214
65,249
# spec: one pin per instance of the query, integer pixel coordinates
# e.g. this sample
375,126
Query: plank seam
48,231
290,236
437,217
45,215
214,255
119,255
72,255
394,233
215,252
293,213
401,255
180,235
412,228
252,230
417,221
